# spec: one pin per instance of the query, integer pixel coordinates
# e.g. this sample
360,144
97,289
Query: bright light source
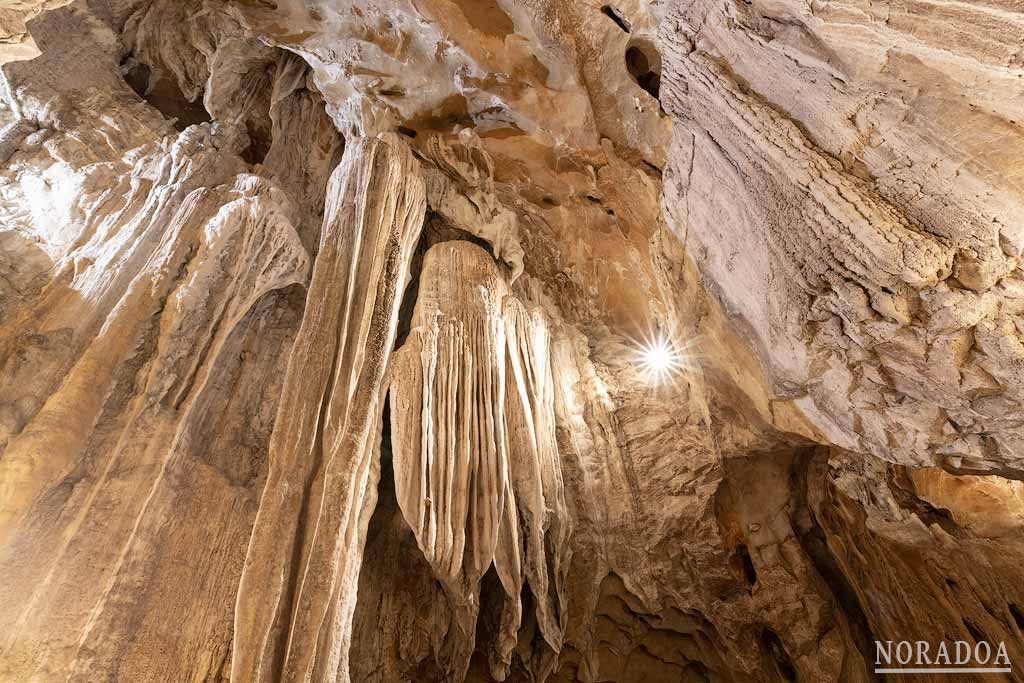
659,358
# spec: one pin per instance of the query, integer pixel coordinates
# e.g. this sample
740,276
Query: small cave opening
136,75
644,64
255,115
164,94
260,139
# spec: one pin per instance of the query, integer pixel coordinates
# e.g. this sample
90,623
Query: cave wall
319,332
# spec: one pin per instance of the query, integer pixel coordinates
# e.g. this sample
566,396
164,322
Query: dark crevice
697,673
412,290
975,632
783,664
904,491
814,542
551,551
1018,616
746,564
612,14
644,65
488,622
386,485
163,94
652,169
339,154
816,547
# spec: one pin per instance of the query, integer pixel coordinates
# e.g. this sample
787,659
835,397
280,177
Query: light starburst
659,358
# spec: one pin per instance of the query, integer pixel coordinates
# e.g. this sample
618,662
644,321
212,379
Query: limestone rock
476,463
326,338
297,591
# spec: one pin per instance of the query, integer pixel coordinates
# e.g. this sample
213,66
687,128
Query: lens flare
659,358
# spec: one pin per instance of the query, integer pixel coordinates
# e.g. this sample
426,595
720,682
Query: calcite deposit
509,340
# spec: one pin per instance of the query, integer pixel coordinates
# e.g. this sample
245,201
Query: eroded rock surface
321,323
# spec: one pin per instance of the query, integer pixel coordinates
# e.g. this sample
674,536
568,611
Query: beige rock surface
321,331
298,588
475,454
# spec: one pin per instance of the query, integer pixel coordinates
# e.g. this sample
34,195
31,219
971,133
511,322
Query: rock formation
475,458
298,587
322,331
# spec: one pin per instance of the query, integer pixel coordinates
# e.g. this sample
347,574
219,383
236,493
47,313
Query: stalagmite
297,590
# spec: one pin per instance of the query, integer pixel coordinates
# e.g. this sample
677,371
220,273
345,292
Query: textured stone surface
298,588
868,160
320,331
474,449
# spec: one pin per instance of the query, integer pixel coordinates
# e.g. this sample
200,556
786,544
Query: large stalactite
476,464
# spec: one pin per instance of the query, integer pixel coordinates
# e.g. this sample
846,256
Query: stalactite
297,591
535,466
474,446
185,330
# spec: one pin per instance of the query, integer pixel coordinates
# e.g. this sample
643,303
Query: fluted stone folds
321,321
297,590
477,471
